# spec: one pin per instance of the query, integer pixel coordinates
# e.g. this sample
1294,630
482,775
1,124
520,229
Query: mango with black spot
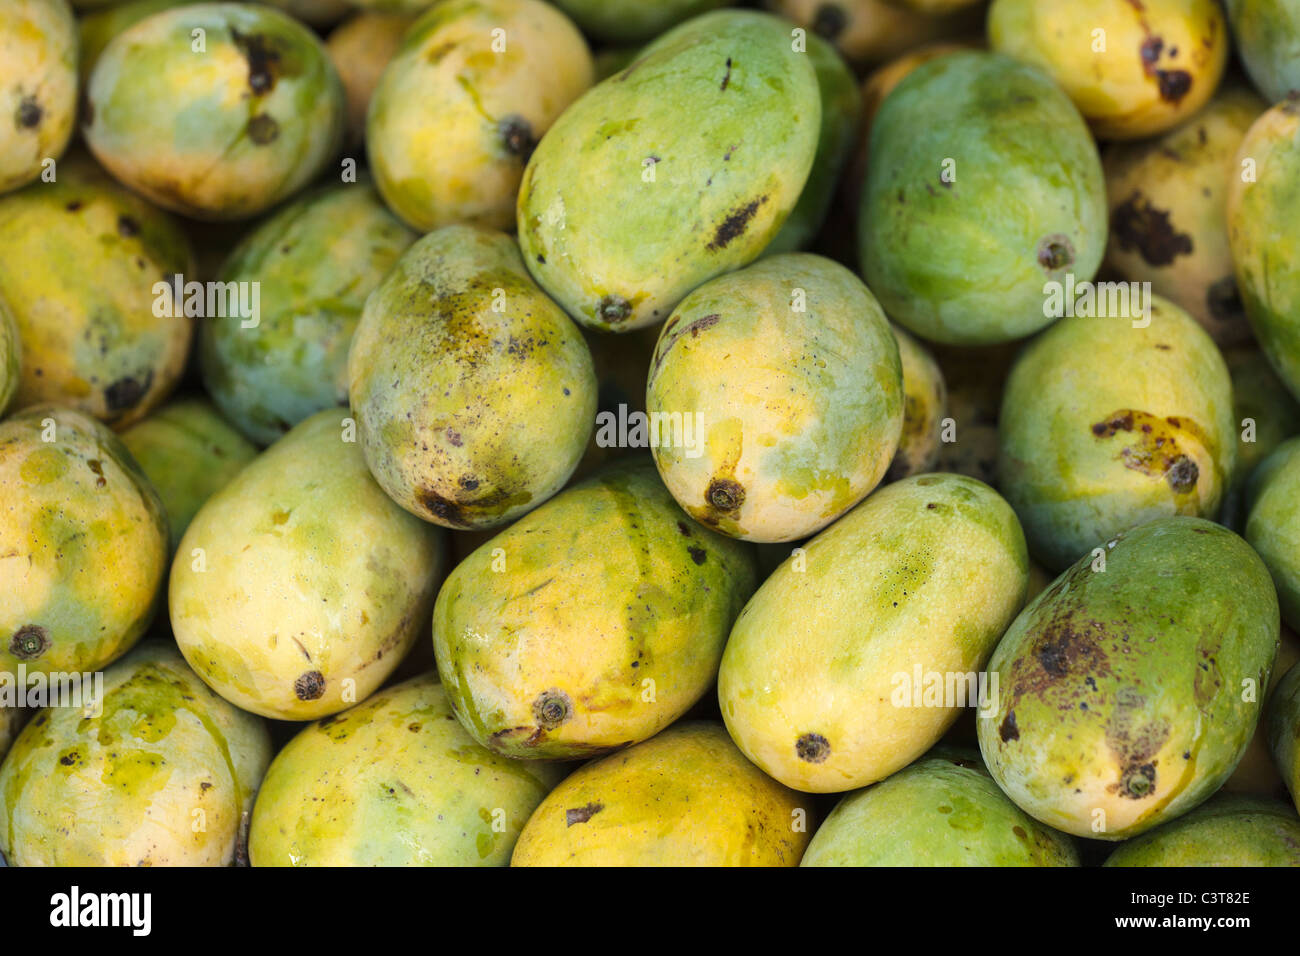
1265,32
159,771
299,586
1226,830
38,87
1273,523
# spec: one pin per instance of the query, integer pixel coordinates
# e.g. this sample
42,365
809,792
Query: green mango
943,810
1282,729
454,117
222,126
99,27
686,797
1227,830
925,406
824,682
188,452
1265,415
314,262
1257,773
788,387
11,356
360,48
474,394
1266,34
318,13
84,542
38,87
591,623
613,60
1273,523
1107,423
159,771
1130,688
680,168
81,260
1262,214
966,216
406,7
394,781
300,585
634,21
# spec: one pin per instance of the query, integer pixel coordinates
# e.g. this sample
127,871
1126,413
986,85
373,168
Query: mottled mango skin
164,775
79,259
453,120
100,26
315,262
1168,212
78,513
188,452
474,394
38,87
1161,61
867,31
926,573
925,406
1105,426
1261,232
591,623
300,585
1266,33
1127,696
964,260
1227,830
394,781
943,810
791,375
680,168
687,797
633,21
360,48
220,134
1273,524
11,356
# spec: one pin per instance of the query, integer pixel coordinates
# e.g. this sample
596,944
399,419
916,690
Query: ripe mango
360,48
38,87
1227,830
11,356
98,27
925,406
1273,523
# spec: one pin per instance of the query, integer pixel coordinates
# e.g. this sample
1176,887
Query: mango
591,623
394,781
1134,70
1227,830
300,585
222,126
314,263
81,260
966,217
360,48
1282,726
683,798
633,21
474,394
868,31
188,452
12,719
318,13
1108,422
925,406
79,514
11,356
1129,689
461,106
974,378
675,171
1273,523
98,27
1265,414
788,380
1265,32
1257,773
943,810
824,680
38,87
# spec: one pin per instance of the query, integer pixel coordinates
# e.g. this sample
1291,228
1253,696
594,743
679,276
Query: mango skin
453,121
1259,396
1120,691
1257,773
799,404
128,787
474,394
79,513
946,259
810,675
1265,32
671,173
1105,426
1162,59
867,31
79,258
925,406
1261,232
315,262
393,781
38,87
318,13
11,356
360,48
634,21
300,585
188,452
11,722
98,27
605,626
1227,830
686,797
223,134
1282,727
943,810
1273,524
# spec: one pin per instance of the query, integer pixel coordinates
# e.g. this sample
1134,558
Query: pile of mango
650,432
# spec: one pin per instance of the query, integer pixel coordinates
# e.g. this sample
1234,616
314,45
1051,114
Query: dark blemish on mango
126,392
469,483
127,227
726,79
262,60
1055,252
812,748
1138,781
73,206
309,686
453,436
1154,450
614,309
552,708
829,21
697,554
97,467
1139,225
29,113
681,526
1183,474
735,224
725,494
263,129
1008,730
517,136
1224,301
1173,84
582,814
29,642
443,508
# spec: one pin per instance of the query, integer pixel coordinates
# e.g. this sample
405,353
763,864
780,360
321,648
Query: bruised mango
38,87
1129,689
1265,32
925,406
680,168
1227,830
633,21
360,49
825,676
300,585
591,623
458,111
1273,524
683,798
